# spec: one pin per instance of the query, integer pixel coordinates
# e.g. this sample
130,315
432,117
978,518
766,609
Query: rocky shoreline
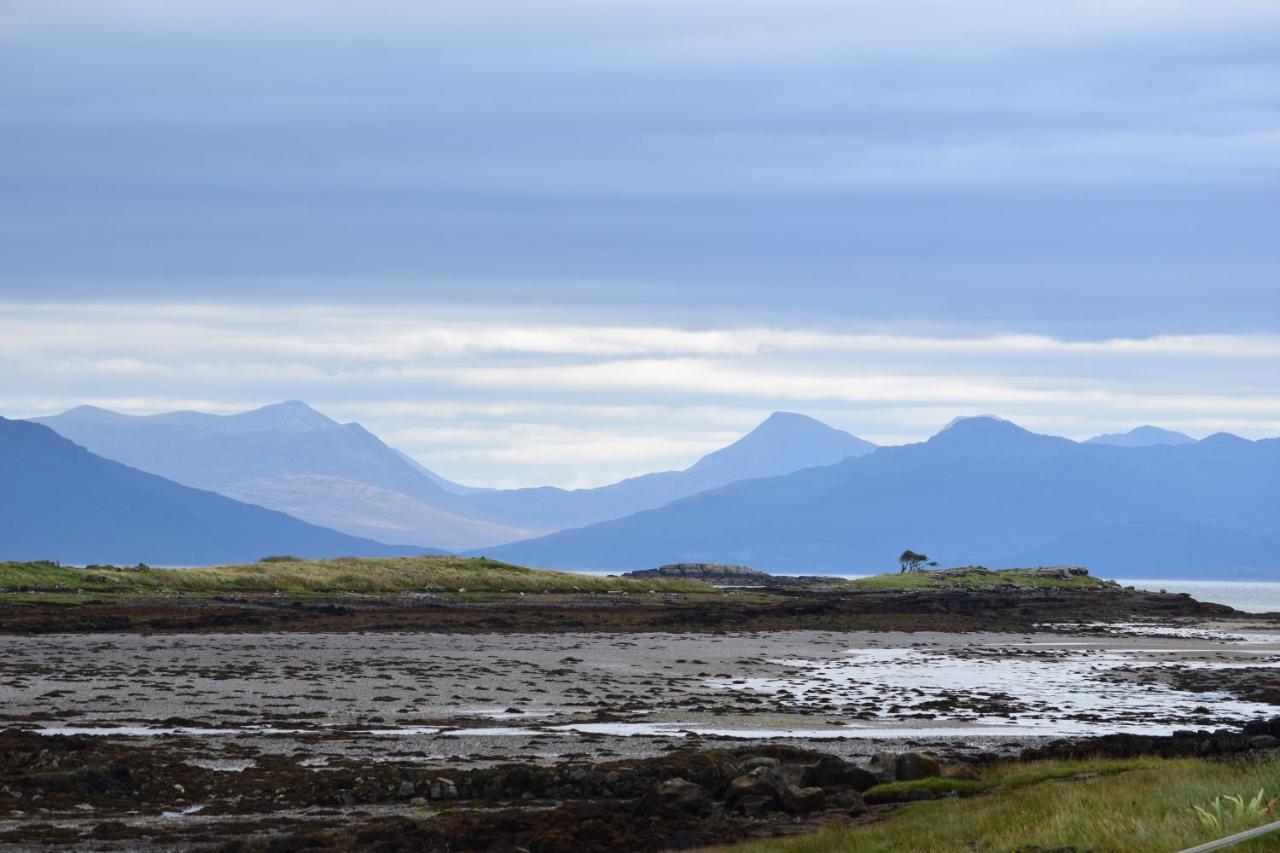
76,792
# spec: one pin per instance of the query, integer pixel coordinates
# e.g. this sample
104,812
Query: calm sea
1249,596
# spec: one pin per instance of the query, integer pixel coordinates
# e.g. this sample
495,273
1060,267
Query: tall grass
342,575
1136,806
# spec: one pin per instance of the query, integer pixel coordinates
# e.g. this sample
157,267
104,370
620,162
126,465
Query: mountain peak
981,425
789,421
781,443
1142,436
988,431
290,415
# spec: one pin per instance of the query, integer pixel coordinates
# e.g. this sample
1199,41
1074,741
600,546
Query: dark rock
675,796
1257,727
684,840
1263,742
750,785
911,766
832,771
849,800
802,800
753,806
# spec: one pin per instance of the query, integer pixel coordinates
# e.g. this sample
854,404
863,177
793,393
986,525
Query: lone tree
910,561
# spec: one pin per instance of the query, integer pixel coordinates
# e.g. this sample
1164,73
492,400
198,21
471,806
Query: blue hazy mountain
294,459
782,443
982,491
443,482
1143,436
61,502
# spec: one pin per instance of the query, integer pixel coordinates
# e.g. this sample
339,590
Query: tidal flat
251,735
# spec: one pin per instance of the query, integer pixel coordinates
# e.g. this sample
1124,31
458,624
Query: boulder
676,796
802,800
911,766
752,806
831,771
750,785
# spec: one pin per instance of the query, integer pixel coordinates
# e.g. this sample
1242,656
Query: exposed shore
565,719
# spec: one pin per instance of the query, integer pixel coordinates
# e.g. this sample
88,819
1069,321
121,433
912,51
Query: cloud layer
1076,169
502,400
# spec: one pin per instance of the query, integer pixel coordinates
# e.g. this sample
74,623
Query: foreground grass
974,577
342,575
1135,806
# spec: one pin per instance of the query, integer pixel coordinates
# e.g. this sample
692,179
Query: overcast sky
564,242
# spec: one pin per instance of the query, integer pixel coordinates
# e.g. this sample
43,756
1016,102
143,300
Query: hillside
291,458
61,502
982,492
782,443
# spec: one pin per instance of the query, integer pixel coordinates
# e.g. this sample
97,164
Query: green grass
1142,805
973,577
342,575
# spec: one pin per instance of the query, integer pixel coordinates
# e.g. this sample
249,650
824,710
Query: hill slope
61,502
784,442
983,491
294,459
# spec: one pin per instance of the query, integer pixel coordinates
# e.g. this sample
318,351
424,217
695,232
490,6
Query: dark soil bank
948,610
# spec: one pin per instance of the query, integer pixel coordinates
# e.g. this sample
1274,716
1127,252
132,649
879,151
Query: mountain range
793,494
61,502
784,442
292,458
982,491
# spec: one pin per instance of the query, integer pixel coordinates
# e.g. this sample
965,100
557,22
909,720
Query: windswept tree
910,561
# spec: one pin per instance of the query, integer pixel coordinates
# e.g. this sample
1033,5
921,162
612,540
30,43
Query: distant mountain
983,491
447,485
62,502
292,458
784,442
1143,436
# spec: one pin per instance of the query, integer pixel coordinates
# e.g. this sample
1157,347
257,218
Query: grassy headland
979,577
395,575
1143,804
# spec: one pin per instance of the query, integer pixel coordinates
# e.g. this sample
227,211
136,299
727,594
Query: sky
568,242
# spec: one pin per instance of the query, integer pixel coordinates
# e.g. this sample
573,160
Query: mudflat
190,739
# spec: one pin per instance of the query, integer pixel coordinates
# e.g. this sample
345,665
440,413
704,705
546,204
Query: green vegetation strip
1143,805
342,575
975,578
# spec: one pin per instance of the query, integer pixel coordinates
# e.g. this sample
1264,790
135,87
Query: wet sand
540,697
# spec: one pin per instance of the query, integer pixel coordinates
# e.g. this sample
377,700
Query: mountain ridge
63,502
980,492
